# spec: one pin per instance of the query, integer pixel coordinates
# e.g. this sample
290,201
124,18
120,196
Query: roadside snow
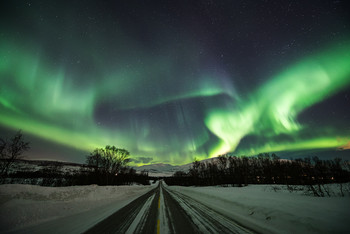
32,208
35,209
260,208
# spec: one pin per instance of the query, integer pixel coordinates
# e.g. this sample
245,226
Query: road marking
163,222
140,216
158,221
158,226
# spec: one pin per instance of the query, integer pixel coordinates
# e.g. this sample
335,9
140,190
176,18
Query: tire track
120,221
206,219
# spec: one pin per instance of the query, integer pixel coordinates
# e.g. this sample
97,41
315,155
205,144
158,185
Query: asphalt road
164,211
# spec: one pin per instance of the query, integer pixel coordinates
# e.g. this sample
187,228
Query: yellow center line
158,228
158,221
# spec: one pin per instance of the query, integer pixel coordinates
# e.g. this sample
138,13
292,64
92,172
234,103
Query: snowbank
267,211
32,208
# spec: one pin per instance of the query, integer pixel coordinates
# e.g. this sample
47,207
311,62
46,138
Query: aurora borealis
175,80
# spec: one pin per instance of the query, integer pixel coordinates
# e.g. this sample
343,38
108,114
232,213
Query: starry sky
176,80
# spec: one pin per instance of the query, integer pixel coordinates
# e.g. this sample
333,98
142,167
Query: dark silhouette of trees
108,162
105,166
10,151
265,169
109,166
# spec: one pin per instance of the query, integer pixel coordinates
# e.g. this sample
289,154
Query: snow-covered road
206,219
170,209
164,211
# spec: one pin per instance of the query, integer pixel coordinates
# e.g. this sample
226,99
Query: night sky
171,81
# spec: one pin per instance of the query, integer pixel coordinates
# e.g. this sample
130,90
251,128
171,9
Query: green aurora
273,109
52,108
163,100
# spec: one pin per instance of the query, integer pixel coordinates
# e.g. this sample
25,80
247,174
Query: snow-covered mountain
37,165
161,169
156,170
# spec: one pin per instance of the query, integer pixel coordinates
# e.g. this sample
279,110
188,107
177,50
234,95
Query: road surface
164,211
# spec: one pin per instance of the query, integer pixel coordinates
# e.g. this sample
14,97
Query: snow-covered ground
261,208
70,209
35,209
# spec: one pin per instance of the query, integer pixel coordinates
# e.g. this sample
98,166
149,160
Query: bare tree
10,150
108,161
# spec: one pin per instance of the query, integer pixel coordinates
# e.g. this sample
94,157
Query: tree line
104,166
109,166
263,169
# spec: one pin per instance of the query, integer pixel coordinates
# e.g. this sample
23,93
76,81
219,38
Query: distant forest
109,166
264,169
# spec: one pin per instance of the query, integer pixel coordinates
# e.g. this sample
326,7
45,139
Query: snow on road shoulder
24,206
266,211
